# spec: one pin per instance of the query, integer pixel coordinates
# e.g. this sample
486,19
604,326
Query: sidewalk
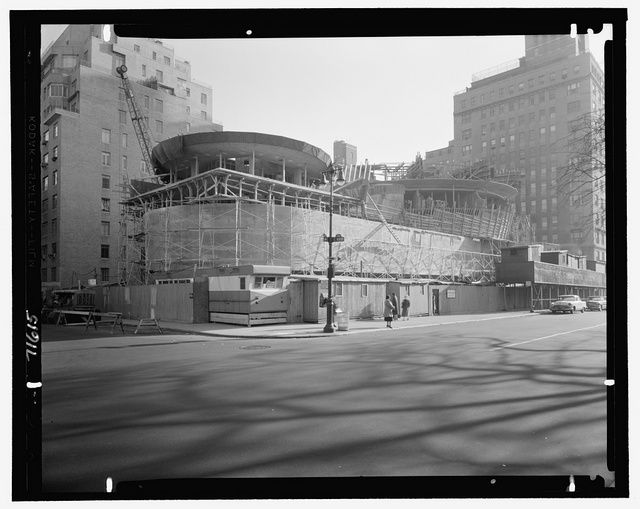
315,330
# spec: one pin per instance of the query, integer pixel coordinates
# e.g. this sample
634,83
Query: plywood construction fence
184,302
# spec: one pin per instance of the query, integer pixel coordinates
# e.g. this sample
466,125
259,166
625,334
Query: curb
302,335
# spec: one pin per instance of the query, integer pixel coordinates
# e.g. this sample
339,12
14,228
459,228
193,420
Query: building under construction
239,198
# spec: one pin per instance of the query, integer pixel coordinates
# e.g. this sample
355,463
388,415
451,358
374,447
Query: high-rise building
513,124
344,154
89,143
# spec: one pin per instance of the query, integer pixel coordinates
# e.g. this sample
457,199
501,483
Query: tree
581,180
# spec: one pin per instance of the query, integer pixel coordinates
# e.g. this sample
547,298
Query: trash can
342,319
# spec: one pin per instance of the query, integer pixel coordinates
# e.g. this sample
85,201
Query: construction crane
139,125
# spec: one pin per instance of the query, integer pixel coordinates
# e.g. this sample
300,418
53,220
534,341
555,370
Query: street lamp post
331,173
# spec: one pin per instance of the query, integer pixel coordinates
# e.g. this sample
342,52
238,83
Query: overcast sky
391,97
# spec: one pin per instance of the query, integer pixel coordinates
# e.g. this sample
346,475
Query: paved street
521,395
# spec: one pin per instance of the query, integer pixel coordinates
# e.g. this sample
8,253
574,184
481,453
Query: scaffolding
224,217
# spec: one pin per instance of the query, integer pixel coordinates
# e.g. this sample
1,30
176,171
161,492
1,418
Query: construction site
234,198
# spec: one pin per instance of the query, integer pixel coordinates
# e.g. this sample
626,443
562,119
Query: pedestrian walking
396,307
406,303
389,311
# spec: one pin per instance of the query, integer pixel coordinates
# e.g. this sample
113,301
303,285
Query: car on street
596,303
568,304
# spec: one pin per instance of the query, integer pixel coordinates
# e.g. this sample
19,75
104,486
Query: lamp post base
329,328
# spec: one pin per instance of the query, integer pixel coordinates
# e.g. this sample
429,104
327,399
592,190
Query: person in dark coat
405,308
394,301
388,311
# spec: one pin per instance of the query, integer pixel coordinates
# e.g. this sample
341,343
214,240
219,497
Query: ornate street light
329,175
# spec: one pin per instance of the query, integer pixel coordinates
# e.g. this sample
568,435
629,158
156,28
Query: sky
390,97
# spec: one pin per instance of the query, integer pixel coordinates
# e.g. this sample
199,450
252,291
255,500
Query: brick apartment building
514,119
88,140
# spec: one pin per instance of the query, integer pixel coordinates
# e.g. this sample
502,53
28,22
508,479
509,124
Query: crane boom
139,125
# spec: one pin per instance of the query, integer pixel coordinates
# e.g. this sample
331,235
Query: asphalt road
516,396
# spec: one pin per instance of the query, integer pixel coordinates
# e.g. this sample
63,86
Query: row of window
104,274
54,227
45,181
54,203
511,89
45,251
513,122
54,155
55,133
522,103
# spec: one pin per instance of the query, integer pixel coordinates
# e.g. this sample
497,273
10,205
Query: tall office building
89,143
513,124
344,154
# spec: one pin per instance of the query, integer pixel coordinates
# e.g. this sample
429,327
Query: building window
552,113
106,159
54,227
44,230
55,153
55,130
144,71
532,189
203,115
45,205
188,90
573,106
122,116
364,290
159,75
106,228
45,137
146,101
104,250
572,88
564,73
54,201
159,105
106,205
159,126
54,249
543,206
54,274
188,127
543,131
55,178
106,136
576,69
106,182
45,183
136,48
552,128
338,289
124,163
45,158
154,55
123,140
167,60
203,99
104,274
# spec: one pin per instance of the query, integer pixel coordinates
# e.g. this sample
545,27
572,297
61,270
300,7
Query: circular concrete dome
179,153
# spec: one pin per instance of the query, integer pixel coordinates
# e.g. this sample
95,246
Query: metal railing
497,69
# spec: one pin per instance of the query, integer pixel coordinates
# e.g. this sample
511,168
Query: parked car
596,303
568,304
